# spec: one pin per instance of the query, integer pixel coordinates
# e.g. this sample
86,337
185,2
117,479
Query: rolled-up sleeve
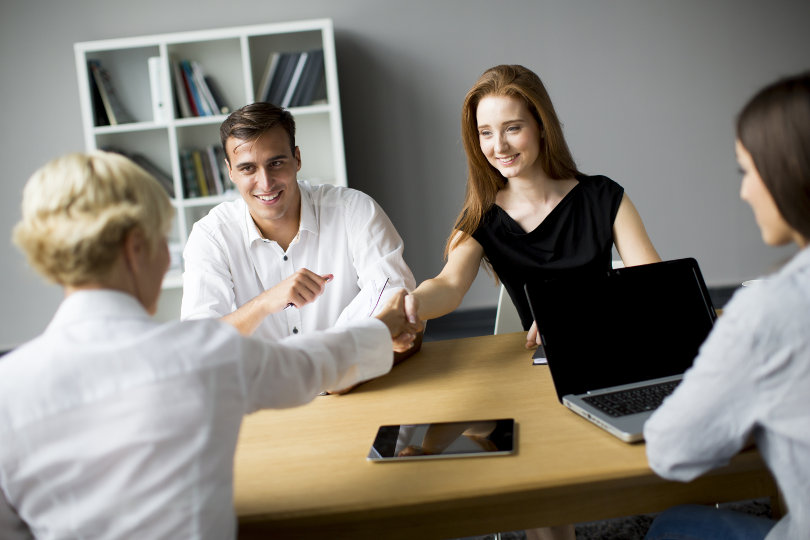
208,288
378,254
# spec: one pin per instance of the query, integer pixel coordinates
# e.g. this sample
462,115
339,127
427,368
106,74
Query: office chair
506,317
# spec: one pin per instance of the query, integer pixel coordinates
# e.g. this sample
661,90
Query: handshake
399,315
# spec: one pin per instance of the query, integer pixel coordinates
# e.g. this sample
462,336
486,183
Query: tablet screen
444,440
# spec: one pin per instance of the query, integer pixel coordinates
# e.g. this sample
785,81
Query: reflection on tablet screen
443,440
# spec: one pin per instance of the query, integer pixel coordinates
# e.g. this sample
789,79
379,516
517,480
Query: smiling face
264,171
509,136
773,227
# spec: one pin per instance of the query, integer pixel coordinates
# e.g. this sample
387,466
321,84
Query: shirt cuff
373,342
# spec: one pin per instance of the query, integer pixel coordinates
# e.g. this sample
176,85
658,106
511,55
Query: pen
378,298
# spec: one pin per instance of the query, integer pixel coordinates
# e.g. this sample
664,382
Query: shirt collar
97,304
249,227
307,222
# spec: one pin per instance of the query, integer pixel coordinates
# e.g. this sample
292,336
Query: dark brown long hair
483,180
774,127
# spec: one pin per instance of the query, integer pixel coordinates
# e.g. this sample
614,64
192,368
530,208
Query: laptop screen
627,325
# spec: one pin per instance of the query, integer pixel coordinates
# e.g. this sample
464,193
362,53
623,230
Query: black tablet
473,438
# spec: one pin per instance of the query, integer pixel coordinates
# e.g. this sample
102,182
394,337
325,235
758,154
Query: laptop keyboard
635,400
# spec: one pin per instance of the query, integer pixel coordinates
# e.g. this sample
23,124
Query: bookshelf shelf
127,128
199,121
207,201
154,127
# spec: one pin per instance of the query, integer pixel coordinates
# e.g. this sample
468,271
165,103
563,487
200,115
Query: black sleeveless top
577,236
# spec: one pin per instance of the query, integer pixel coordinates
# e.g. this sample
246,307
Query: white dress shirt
751,378
342,232
114,426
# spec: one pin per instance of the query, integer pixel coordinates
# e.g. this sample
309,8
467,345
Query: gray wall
647,90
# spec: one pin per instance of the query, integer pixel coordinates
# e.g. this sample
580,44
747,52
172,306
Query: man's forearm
247,318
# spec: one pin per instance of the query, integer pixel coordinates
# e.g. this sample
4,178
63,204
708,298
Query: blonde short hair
77,210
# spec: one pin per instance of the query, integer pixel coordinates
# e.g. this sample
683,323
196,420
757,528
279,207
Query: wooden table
302,473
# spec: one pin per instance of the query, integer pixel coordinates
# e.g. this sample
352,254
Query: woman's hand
533,337
403,331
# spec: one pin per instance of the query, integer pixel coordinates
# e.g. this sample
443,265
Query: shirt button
285,257
295,330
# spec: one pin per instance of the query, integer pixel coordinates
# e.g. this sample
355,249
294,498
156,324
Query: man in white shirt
113,425
288,257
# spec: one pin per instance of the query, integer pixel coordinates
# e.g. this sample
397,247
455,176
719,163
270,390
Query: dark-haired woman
750,381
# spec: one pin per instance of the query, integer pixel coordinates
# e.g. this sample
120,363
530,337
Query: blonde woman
113,425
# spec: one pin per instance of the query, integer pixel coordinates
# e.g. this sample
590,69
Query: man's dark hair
251,121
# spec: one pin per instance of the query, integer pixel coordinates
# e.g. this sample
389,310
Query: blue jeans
695,522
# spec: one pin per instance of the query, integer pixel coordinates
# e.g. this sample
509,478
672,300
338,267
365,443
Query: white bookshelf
235,58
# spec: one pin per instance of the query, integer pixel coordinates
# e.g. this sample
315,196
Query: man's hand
300,289
403,332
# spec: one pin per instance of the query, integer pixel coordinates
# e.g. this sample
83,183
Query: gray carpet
631,527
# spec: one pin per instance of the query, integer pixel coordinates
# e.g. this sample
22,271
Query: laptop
618,343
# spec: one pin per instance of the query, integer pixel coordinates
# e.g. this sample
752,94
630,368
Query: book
195,98
200,172
219,99
294,79
192,104
208,173
313,73
180,94
99,114
300,89
190,184
320,93
156,78
206,98
267,77
227,185
116,113
282,77
216,173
